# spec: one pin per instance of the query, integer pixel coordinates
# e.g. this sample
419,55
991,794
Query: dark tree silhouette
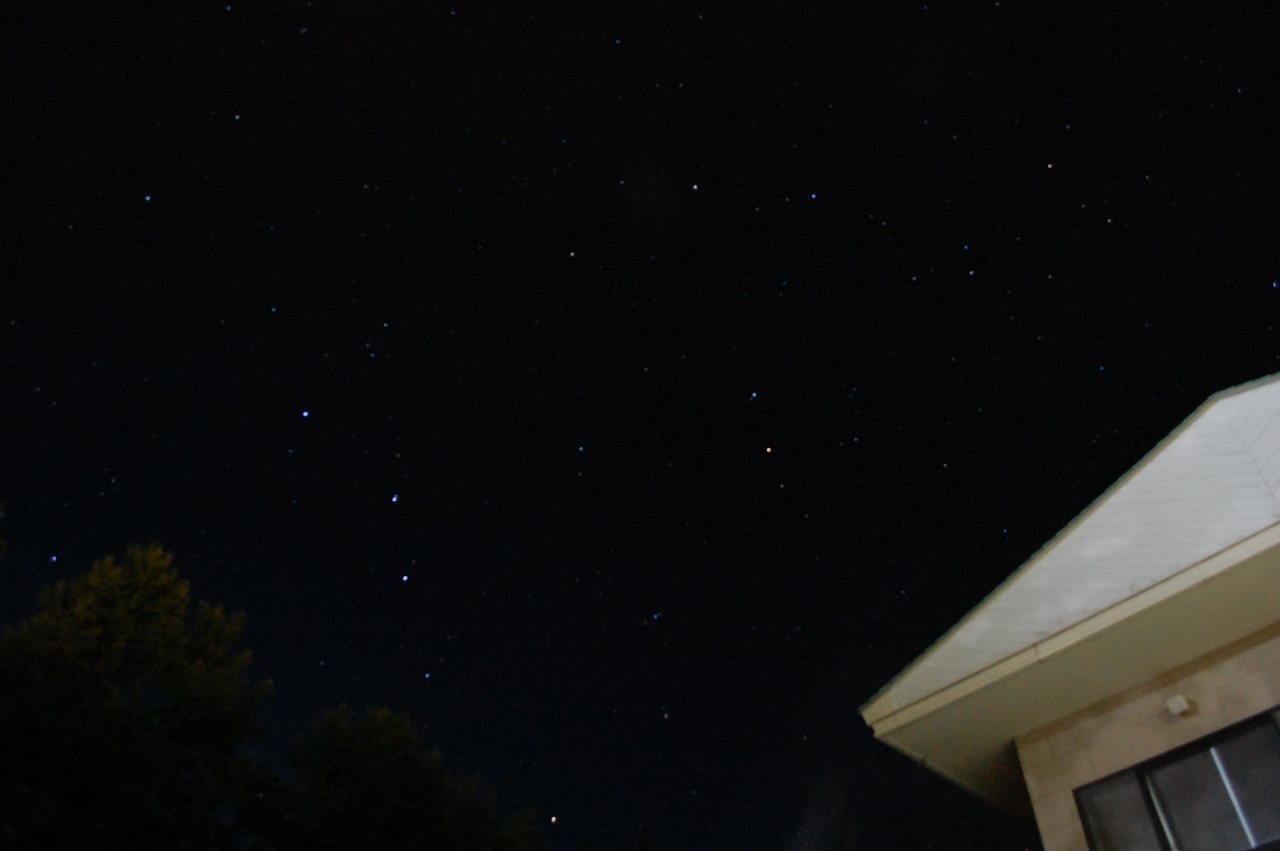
122,715
364,782
124,721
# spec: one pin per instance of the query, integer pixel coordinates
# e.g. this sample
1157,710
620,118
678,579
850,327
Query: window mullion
1231,793
1155,801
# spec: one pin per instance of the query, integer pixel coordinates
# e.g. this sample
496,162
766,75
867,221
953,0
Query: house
1123,684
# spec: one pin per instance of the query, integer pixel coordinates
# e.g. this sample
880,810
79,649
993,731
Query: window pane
1195,802
1252,760
1116,815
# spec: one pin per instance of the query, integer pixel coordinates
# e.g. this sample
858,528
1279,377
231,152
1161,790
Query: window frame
1143,770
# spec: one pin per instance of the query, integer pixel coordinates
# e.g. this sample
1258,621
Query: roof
1202,507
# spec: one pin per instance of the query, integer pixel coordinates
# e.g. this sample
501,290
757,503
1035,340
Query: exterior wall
1230,685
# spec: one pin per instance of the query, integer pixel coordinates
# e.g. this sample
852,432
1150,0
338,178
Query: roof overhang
966,731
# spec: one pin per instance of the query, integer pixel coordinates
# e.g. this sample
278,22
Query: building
1122,683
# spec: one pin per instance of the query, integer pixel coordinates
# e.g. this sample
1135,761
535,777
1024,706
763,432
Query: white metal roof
1212,483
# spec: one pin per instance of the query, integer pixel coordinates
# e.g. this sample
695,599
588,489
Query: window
1219,794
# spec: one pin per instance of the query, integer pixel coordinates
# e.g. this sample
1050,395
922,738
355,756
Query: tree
364,783
122,716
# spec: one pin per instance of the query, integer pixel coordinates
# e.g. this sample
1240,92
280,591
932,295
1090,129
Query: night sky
626,391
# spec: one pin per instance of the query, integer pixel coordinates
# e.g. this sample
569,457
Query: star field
626,394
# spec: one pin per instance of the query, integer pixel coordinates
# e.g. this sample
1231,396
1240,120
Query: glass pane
1195,801
1252,760
1116,815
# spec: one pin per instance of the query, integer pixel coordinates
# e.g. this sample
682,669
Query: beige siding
1228,686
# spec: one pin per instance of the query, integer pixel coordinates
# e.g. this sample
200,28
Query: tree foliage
124,717
122,714
364,782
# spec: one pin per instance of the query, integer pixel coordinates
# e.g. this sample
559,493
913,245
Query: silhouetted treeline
125,719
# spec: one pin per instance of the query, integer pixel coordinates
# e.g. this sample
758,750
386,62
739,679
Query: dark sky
658,378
